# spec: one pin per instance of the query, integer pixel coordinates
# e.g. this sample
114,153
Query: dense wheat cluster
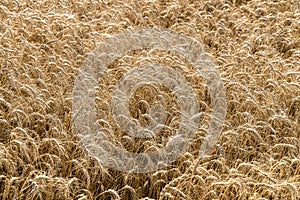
255,46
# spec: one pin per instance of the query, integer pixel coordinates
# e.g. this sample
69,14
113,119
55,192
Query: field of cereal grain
255,46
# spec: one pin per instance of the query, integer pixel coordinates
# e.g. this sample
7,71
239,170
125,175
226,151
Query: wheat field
254,45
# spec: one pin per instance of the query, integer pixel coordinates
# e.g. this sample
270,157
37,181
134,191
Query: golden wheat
255,46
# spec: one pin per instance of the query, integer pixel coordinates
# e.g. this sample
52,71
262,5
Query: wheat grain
255,45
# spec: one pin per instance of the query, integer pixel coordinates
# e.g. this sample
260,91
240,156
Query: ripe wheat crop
255,46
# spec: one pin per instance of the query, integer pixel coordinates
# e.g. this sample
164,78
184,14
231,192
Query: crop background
255,46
